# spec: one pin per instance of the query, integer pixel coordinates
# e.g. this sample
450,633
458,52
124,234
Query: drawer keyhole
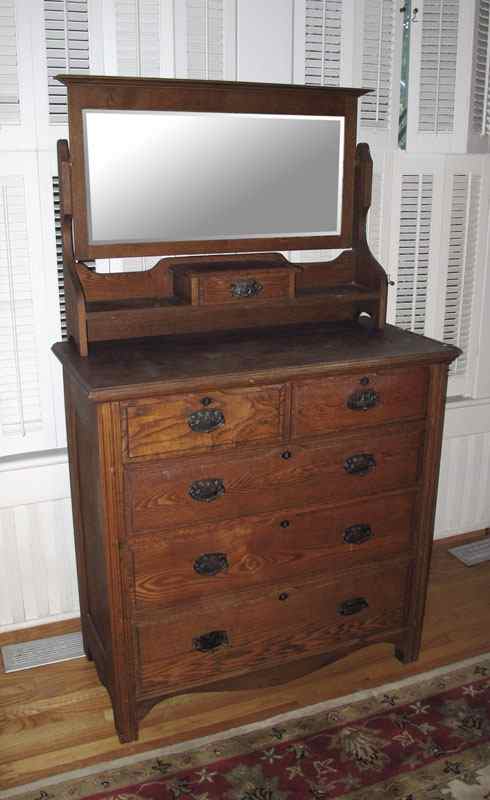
286,454
283,596
285,523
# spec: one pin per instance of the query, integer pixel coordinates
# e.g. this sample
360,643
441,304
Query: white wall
428,224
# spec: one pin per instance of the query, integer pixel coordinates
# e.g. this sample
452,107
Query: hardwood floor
58,717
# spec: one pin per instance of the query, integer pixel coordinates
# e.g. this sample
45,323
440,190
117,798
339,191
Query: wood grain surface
58,717
286,622
266,548
162,427
158,496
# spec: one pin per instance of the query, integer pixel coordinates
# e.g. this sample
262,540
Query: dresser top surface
130,369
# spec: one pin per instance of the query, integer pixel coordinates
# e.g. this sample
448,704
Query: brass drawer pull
363,400
246,288
359,463
210,641
352,606
205,421
207,490
357,534
211,564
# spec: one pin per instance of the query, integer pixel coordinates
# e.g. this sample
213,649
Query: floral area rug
426,737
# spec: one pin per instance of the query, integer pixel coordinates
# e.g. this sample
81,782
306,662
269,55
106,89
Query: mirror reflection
180,176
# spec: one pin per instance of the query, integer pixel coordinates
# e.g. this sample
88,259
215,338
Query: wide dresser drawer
188,564
359,399
180,493
206,642
196,422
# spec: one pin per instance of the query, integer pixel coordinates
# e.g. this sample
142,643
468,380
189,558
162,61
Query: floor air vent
473,553
26,655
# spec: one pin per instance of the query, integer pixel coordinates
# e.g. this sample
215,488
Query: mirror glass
184,176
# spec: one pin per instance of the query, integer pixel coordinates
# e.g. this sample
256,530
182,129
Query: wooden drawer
289,621
363,398
202,421
189,564
207,490
251,283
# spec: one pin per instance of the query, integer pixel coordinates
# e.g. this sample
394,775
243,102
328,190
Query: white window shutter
462,264
67,49
448,77
9,79
416,204
323,42
381,32
26,412
205,38
138,37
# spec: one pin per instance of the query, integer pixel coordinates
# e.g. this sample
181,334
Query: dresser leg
409,648
126,726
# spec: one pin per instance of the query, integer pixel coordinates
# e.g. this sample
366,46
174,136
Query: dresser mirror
154,176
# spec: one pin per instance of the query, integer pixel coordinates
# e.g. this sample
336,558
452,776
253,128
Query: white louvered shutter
323,42
380,68
480,94
437,81
205,39
447,99
462,265
26,414
20,408
415,227
9,80
138,37
67,49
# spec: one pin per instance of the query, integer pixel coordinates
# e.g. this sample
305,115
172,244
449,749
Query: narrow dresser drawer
207,490
250,284
193,563
254,631
358,399
201,421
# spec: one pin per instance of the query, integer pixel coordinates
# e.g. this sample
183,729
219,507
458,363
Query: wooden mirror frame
155,94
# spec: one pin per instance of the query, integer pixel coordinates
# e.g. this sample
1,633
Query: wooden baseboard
40,631
73,625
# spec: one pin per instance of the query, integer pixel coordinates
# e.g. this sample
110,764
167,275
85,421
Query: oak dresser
252,500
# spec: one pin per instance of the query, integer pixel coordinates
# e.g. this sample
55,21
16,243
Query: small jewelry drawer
247,283
188,564
199,422
202,643
356,400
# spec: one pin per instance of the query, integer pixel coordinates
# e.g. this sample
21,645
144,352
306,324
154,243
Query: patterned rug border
190,746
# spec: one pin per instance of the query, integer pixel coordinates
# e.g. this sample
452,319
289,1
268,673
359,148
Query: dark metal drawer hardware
359,464
246,288
207,490
352,606
206,401
205,421
283,596
210,641
211,564
285,523
364,380
286,454
357,534
363,400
